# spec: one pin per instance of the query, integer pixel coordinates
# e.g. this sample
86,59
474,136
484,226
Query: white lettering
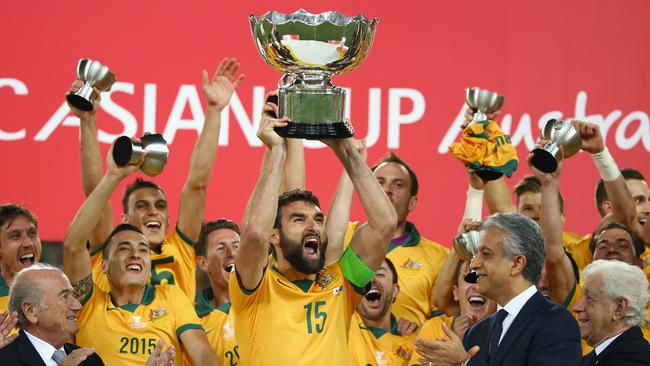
641,133
187,95
395,116
19,88
149,114
121,114
59,118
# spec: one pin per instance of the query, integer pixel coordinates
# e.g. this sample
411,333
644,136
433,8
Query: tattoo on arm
83,287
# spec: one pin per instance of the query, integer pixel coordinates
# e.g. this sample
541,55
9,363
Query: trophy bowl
126,151
95,75
483,102
559,133
309,49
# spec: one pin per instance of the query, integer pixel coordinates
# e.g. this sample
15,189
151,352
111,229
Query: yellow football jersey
431,330
580,251
418,261
126,335
371,346
645,257
175,264
219,327
4,294
294,323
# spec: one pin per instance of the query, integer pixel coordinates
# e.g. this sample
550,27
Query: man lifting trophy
309,49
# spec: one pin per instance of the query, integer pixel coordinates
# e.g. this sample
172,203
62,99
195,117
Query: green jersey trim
354,270
188,326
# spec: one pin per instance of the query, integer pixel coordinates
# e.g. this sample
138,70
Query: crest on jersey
135,322
402,352
325,280
412,264
158,313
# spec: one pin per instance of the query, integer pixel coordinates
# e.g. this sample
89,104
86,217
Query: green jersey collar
204,305
378,332
412,239
4,289
147,298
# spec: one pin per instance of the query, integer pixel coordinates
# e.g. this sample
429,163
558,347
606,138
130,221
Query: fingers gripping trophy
94,75
309,49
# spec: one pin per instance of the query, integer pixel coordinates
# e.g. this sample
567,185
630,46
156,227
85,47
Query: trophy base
79,102
544,161
488,175
316,131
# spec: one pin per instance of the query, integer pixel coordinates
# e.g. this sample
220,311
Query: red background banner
583,59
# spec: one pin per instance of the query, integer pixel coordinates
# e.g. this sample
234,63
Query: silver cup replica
466,246
95,75
309,49
559,133
483,102
125,151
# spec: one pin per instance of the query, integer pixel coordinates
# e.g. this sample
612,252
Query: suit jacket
22,352
629,349
543,333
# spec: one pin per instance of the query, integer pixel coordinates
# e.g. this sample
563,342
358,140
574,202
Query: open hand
219,89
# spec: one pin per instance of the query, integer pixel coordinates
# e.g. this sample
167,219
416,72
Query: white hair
25,289
622,280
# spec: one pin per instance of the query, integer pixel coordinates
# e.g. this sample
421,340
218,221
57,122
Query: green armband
354,270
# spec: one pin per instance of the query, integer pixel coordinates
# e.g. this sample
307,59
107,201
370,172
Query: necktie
58,356
496,332
589,359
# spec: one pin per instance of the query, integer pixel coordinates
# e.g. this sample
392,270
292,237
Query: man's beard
292,251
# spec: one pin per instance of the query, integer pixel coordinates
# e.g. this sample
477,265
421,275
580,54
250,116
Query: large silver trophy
125,151
466,246
559,133
309,49
95,75
483,102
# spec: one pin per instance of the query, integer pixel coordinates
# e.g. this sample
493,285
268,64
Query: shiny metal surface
309,49
125,151
95,75
465,245
483,102
559,133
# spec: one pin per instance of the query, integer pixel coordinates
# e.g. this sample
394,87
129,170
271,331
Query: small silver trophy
559,133
466,246
125,151
309,49
483,102
95,75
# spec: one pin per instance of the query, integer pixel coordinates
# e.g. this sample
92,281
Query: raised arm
91,163
262,204
76,258
498,197
370,242
623,208
198,348
217,91
293,176
558,265
338,215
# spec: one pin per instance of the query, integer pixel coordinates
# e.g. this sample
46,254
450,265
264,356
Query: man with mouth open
295,310
145,204
374,337
508,264
20,246
216,250
126,323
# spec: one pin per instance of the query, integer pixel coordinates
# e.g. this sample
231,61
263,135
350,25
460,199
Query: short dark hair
293,196
637,243
531,183
9,211
118,229
394,158
392,268
601,193
200,246
139,183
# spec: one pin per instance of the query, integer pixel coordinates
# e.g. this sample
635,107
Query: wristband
606,165
473,204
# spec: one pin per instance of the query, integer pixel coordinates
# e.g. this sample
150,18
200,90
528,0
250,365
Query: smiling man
610,312
20,245
47,317
374,337
216,250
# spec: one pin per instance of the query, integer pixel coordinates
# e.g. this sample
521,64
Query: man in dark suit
610,311
528,329
43,298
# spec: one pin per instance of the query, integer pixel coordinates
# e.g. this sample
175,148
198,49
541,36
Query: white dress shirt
514,306
601,347
44,349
